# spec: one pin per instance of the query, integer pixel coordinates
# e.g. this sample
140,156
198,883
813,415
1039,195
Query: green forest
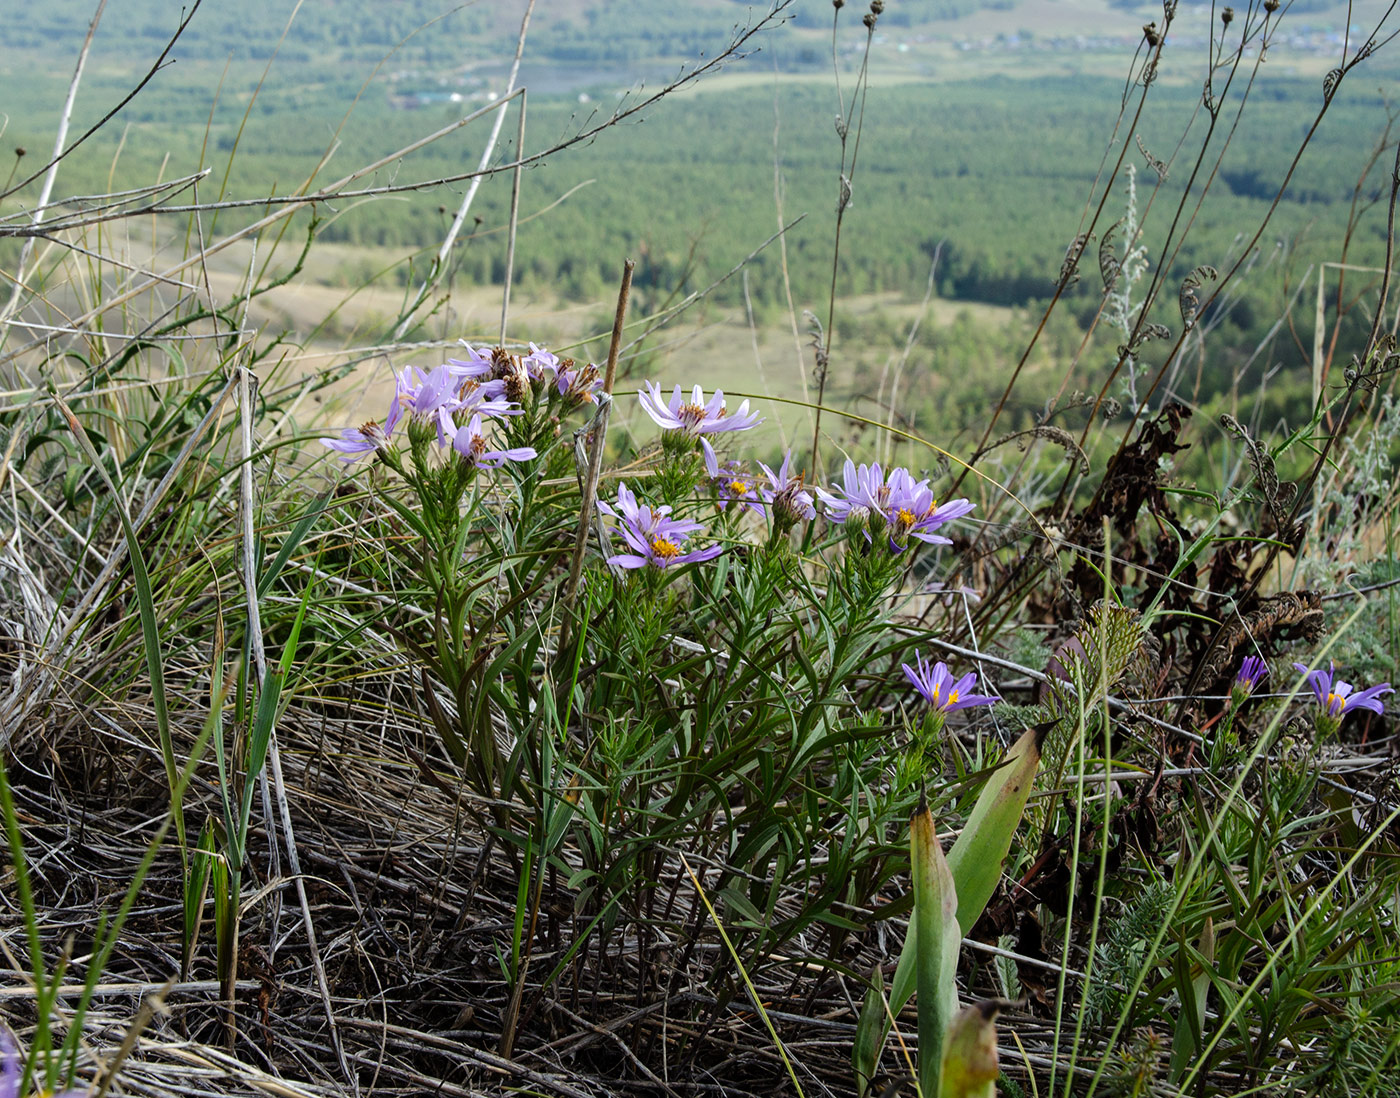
994,175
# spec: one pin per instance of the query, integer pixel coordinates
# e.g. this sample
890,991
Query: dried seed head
20,150
877,6
869,20
838,4
1271,6
1150,33
1227,16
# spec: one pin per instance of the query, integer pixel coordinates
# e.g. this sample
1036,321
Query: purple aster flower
12,1068
1335,698
470,442
578,384
912,511
642,517
428,398
784,492
863,496
355,442
657,538
628,509
729,480
901,504
695,417
1252,672
541,364
476,365
484,399
935,684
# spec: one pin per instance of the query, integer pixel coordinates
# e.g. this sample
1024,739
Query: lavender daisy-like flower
784,492
935,684
476,365
541,364
656,538
470,442
485,400
864,495
630,511
729,480
428,398
912,511
1335,698
1252,672
355,442
906,507
694,417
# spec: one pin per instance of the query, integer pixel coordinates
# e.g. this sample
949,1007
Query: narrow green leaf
291,544
870,1034
150,634
196,889
1190,1025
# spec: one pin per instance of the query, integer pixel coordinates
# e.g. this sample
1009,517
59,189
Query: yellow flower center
665,548
1340,701
691,413
738,487
904,518
952,697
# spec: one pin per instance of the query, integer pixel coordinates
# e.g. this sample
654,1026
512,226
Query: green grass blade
149,631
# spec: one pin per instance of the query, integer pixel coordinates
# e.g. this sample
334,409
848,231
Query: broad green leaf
976,858
939,939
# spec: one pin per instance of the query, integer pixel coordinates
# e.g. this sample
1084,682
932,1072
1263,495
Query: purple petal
1369,698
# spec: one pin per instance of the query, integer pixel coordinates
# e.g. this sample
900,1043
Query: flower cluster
452,403
656,539
526,379
897,506
783,493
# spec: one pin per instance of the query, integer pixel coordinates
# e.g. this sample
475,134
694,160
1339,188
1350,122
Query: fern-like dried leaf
1057,435
1069,269
1279,497
1158,167
1110,266
1187,300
